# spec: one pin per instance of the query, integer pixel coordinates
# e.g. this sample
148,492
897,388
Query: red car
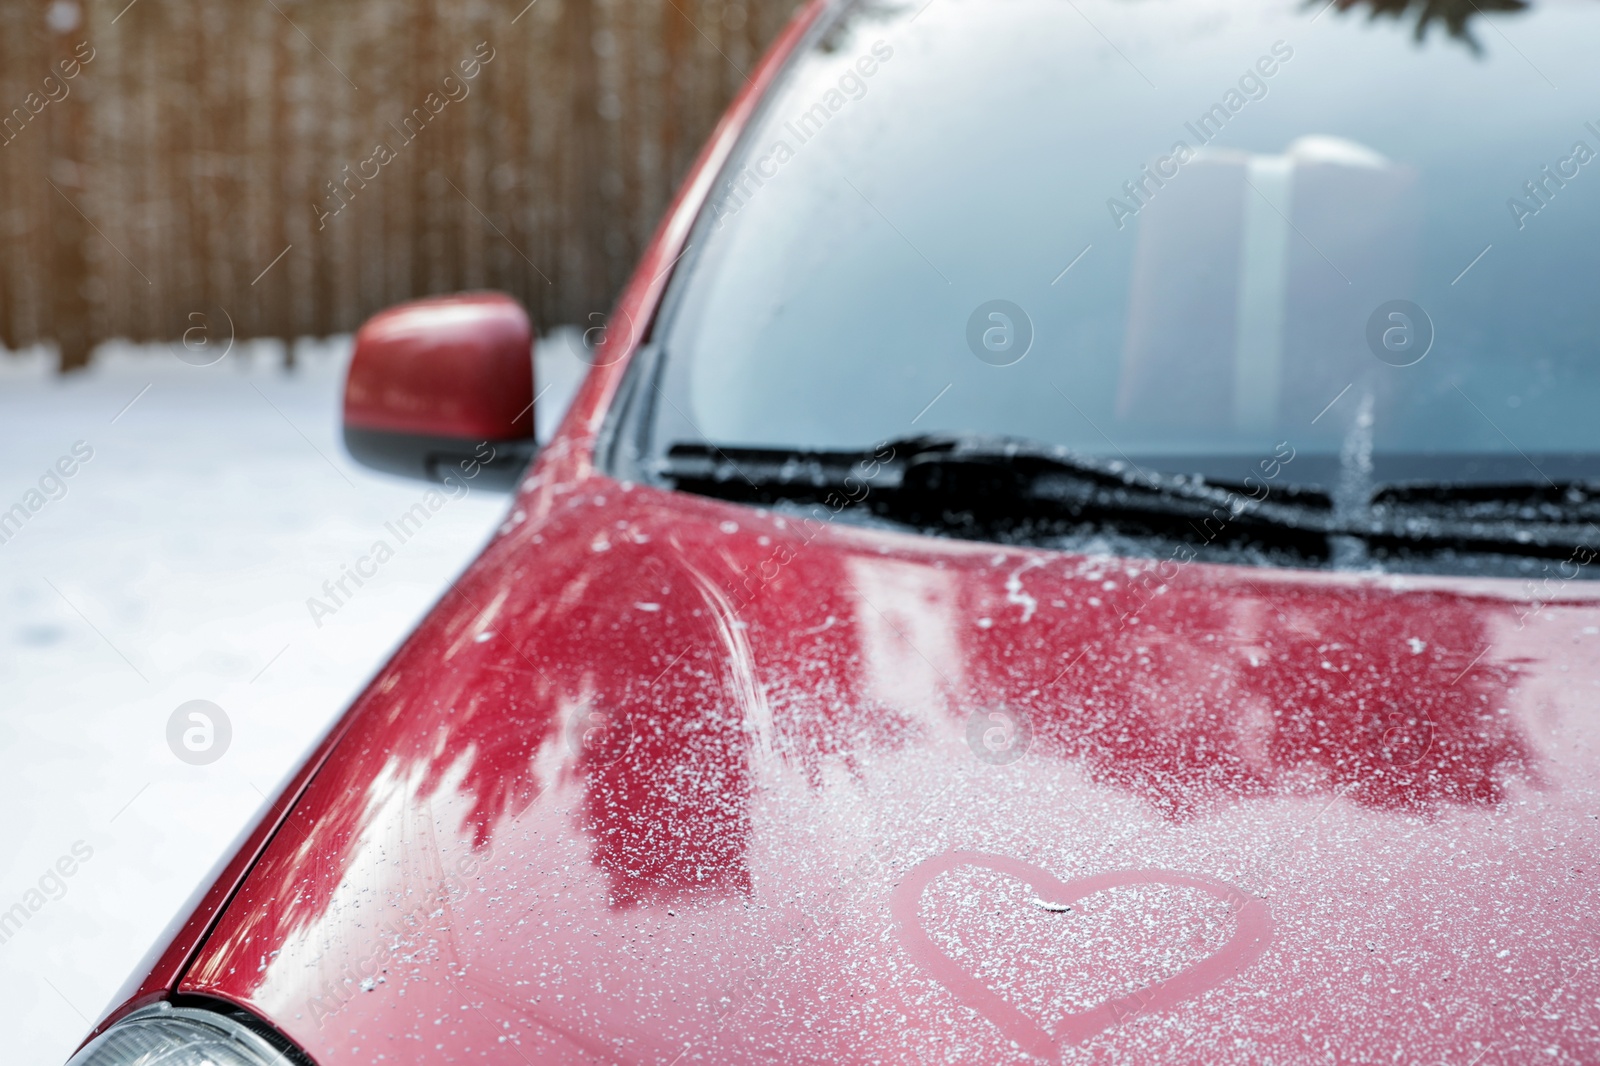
1076,546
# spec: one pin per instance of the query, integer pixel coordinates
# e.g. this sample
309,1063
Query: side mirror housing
444,386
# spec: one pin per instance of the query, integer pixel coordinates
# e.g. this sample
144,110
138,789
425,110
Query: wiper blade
1015,489
1004,458
1529,501
998,485
1536,519
983,485
764,472
1515,492
1053,472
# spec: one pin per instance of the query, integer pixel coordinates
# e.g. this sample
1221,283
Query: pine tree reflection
1454,15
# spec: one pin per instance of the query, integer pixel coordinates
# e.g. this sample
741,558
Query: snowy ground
176,567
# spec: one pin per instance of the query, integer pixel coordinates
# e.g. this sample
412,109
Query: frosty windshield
1173,232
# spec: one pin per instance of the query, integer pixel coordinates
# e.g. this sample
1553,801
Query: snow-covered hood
664,779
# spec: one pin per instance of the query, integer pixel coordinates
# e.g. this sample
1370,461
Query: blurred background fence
170,157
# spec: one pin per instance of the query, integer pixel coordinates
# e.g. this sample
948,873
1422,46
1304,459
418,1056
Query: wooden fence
301,164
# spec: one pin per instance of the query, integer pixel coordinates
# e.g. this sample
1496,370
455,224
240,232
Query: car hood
665,779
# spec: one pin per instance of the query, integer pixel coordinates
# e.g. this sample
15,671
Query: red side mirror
443,386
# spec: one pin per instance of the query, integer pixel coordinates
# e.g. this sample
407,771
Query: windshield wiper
1003,488
1548,520
1546,501
986,486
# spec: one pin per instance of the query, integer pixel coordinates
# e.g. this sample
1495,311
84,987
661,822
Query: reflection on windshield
1454,15
1233,323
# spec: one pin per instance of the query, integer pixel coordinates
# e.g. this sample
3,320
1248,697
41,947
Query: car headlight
182,1036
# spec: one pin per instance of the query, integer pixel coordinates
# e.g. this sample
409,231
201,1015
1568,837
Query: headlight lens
179,1036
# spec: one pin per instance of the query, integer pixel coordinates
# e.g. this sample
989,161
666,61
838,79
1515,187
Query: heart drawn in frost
1252,934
